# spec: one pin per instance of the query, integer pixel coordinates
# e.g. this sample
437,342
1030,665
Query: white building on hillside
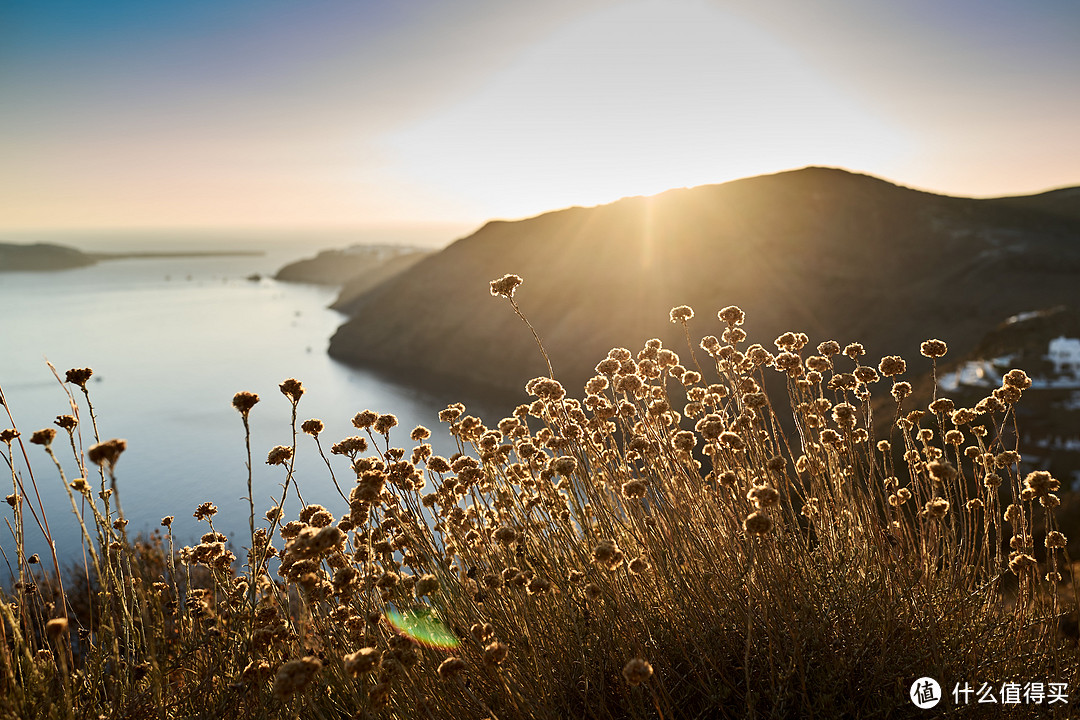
1065,355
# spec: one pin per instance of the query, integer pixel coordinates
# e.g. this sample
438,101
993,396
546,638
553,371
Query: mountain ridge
835,254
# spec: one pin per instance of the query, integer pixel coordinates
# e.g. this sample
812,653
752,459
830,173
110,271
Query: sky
348,113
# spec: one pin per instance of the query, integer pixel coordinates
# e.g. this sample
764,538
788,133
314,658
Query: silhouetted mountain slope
1064,202
831,253
360,283
339,267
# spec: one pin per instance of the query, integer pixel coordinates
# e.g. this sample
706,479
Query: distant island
37,257
41,256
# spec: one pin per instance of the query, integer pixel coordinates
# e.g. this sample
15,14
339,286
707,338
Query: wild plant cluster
675,544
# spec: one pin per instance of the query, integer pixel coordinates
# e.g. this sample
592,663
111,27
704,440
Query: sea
170,341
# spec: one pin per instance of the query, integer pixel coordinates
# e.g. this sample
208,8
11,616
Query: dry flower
892,365
279,455
637,671
362,661
505,286
934,348
79,376
681,314
295,675
106,453
244,401
45,437
758,523
452,667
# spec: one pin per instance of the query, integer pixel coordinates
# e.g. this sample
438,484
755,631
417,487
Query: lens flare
423,626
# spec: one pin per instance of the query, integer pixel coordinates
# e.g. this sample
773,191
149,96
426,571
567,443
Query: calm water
171,341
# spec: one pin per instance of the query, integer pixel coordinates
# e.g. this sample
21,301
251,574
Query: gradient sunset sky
275,113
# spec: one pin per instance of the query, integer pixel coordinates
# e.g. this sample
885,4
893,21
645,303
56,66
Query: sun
635,99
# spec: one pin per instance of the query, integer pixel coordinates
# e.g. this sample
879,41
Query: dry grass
660,548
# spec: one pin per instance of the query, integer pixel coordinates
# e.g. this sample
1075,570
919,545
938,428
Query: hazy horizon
255,115
432,234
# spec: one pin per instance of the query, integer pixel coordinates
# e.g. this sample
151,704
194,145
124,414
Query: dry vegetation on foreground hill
660,548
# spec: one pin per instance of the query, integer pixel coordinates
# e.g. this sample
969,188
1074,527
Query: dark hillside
831,253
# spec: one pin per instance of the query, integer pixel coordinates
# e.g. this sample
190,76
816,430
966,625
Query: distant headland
37,257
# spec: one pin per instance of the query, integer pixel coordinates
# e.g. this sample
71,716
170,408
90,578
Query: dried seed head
892,365
564,465
1041,483
505,286
844,415
1050,501
681,314
313,427
1008,394
364,419
637,671
107,453
732,315
732,336
732,440
763,496
495,653
506,535
79,376
45,437
990,404
1017,379
942,472
854,350
56,627
279,455
1056,539
244,401
607,554
452,667
758,523
295,675
829,348
538,586
963,416
426,585
1013,514
934,348
786,341
66,422
292,389
419,434
1021,563
384,423
362,661
936,509
942,406
350,446
901,390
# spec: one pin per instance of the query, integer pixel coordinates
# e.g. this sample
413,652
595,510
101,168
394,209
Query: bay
171,340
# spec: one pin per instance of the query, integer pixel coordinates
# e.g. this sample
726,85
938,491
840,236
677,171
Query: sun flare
633,100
